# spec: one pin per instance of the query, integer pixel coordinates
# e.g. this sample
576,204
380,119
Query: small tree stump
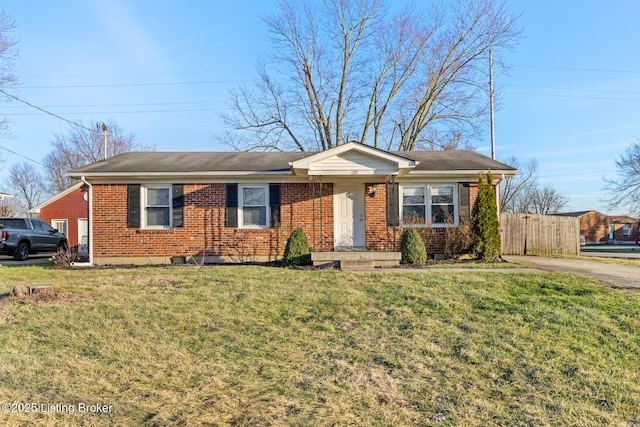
42,290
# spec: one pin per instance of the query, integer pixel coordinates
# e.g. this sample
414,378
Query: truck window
13,223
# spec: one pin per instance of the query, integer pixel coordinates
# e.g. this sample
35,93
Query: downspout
90,225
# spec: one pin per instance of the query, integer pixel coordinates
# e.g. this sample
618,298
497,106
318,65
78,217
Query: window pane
442,195
254,216
442,214
158,217
253,196
157,197
413,195
413,215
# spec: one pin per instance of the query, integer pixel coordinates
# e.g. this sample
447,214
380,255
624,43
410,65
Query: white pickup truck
20,237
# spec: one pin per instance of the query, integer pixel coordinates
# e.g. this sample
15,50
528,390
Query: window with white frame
156,212
254,206
414,207
429,205
60,225
625,229
442,204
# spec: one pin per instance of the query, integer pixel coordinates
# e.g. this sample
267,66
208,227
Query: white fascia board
305,162
171,175
344,173
165,179
463,174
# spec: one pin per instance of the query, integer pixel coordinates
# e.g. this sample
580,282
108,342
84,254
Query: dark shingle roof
276,162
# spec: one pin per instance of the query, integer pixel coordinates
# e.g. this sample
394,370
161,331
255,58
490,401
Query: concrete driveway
626,276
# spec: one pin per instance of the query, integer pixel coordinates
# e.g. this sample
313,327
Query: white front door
83,236
612,230
348,222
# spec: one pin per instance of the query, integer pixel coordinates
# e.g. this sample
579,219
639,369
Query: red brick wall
204,232
70,207
380,237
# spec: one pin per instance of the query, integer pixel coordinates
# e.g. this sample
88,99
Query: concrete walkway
627,276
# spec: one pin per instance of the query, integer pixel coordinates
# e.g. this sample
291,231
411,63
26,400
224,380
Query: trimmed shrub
412,248
484,222
297,250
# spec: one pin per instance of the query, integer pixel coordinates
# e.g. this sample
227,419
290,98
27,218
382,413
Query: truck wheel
22,252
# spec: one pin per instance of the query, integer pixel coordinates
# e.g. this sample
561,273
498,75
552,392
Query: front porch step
357,259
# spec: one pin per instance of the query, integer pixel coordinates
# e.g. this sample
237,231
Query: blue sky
162,70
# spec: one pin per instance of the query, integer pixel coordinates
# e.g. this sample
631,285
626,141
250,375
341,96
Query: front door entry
348,211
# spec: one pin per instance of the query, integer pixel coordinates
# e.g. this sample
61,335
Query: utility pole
493,134
104,131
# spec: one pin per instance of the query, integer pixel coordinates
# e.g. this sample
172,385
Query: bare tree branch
8,54
348,68
27,185
624,192
82,146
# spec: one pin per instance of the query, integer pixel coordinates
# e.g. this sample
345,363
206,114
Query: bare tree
546,201
523,194
84,145
9,207
624,191
347,69
27,184
8,54
515,190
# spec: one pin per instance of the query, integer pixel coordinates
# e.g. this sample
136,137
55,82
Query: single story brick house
159,207
597,227
68,212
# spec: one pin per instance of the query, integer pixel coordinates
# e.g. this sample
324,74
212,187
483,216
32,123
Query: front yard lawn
266,346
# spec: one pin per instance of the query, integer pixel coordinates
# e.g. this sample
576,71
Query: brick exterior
595,227
71,207
205,234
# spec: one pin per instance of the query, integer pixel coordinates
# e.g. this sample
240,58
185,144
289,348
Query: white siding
353,163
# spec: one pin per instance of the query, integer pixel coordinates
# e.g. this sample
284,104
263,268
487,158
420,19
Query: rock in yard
20,291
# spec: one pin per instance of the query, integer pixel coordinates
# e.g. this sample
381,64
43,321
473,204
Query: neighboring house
68,211
237,206
597,227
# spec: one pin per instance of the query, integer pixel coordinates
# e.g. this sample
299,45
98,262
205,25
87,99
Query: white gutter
90,225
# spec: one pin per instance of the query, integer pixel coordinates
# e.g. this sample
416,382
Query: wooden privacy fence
526,234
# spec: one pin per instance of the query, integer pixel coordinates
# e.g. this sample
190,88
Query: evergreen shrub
412,248
297,250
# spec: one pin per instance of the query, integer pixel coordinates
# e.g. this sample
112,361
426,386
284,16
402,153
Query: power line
575,89
207,82
596,70
120,105
578,96
20,155
194,110
45,111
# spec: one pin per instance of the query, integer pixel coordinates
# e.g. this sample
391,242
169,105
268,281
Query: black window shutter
133,206
393,203
231,219
464,202
177,191
274,204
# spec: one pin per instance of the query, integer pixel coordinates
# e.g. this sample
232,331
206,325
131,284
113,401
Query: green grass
264,347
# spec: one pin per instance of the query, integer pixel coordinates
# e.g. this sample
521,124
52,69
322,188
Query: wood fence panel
526,234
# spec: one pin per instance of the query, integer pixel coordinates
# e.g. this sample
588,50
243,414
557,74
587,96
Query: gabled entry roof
353,159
